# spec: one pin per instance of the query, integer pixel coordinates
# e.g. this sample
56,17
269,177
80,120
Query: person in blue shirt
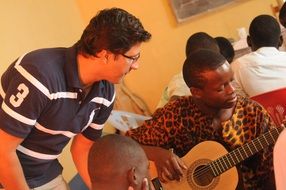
49,96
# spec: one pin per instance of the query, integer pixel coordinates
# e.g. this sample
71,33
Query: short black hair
112,29
264,31
225,48
199,62
200,40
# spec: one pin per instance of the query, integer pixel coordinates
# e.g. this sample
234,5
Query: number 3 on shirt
17,100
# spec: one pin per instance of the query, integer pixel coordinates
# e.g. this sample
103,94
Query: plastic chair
275,103
124,121
76,183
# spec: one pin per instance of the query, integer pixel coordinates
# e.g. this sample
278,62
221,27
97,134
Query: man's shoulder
247,103
44,59
244,58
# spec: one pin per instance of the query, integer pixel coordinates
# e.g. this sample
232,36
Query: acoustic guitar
211,166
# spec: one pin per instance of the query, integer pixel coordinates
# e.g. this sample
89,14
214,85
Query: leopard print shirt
180,125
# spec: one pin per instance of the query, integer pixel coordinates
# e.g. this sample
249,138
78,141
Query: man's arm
79,149
11,173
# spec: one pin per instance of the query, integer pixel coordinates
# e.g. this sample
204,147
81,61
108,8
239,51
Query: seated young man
213,112
117,162
262,70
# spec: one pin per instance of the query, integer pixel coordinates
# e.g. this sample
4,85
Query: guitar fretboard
234,157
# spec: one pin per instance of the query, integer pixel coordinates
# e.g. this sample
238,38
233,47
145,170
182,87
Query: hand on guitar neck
169,166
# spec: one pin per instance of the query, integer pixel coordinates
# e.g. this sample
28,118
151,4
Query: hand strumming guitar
169,166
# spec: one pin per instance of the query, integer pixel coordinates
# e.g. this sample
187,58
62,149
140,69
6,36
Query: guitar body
211,167
197,176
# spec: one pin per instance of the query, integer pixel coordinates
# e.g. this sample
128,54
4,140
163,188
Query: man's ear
196,92
132,177
102,54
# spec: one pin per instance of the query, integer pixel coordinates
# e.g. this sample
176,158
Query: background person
263,70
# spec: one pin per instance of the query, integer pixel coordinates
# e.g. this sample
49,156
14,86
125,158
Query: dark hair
225,48
282,15
197,63
264,31
200,40
112,29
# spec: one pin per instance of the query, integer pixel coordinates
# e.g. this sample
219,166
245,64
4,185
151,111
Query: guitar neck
234,157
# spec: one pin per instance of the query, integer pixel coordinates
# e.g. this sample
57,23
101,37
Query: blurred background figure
225,48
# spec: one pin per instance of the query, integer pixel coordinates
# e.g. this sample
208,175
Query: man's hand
145,185
169,166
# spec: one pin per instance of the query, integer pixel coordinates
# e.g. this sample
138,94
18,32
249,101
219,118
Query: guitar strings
268,139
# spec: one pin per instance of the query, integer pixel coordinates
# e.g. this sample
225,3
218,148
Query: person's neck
206,109
220,114
255,48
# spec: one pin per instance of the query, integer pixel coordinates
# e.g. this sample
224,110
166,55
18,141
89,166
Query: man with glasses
49,96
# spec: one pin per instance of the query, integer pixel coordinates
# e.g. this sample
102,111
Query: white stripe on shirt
103,101
36,154
54,132
17,116
96,126
89,120
2,93
40,86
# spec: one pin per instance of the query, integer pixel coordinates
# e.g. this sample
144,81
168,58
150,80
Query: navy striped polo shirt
42,101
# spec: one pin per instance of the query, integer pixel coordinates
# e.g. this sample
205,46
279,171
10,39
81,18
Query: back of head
226,48
264,31
200,40
114,30
110,159
282,15
197,63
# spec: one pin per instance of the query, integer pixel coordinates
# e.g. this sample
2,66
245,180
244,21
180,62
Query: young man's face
218,92
124,63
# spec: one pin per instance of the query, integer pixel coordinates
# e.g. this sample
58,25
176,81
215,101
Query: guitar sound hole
203,176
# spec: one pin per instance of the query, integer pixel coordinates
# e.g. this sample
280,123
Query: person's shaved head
112,158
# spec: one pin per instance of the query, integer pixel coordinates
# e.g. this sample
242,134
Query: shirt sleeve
22,103
155,131
178,87
102,111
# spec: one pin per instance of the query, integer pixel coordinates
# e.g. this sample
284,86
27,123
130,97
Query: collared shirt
176,87
260,71
42,101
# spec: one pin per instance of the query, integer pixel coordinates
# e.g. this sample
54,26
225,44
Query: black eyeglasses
132,59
